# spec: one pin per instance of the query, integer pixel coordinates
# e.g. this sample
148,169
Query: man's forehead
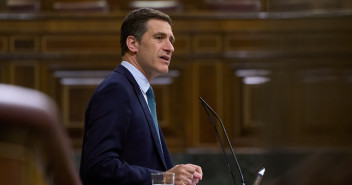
157,25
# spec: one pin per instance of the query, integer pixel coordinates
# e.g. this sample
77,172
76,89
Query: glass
163,178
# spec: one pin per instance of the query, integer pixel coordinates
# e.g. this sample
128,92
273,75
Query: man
122,144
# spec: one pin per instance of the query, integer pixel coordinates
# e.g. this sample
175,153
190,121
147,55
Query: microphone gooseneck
207,107
221,143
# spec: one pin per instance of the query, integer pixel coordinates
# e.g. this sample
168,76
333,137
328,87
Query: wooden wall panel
71,83
250,84
207,43
81,43
24,43
163,107
183,44
291,103
207,83
2,74
251,42
3,44
325,116
301,5
254,100
25,73
84,72
75,100
320,41
170,99
74,89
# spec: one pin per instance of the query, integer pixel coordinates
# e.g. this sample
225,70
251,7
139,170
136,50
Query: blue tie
152,107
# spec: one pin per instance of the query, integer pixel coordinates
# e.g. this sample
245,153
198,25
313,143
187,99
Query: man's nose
169,47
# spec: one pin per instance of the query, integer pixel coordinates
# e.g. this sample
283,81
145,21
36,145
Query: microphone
260,175
207,107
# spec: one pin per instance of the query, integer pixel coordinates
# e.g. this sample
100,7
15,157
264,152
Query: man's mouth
167,58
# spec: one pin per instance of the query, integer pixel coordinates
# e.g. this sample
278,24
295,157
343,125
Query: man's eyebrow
159,33
164,35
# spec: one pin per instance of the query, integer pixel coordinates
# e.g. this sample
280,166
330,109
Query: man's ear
132,43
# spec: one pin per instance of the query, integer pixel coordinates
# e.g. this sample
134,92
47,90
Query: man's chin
161,72
164,71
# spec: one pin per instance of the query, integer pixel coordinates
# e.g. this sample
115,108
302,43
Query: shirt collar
142,81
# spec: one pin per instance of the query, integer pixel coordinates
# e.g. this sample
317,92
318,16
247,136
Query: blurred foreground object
34,148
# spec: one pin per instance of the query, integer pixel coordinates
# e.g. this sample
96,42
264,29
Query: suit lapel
150,123
146,111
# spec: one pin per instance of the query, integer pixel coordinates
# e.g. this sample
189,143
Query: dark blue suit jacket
120,144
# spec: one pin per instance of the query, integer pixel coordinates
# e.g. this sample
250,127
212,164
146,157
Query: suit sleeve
107,121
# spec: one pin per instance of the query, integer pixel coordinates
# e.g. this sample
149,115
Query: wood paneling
295,101
251,42
168,94
2,74
251,68
3,44
206,83
25,73
207,43
24,44
75,100
75,89
251,85
316,41
189,6
323,117
81,43
301,5
183,44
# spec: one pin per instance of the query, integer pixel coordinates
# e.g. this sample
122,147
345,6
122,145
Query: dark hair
135,24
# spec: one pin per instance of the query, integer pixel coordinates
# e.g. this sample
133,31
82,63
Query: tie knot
150,92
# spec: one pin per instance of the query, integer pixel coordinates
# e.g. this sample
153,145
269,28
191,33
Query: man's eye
159,38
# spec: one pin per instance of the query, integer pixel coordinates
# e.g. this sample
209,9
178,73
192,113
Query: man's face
155,48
